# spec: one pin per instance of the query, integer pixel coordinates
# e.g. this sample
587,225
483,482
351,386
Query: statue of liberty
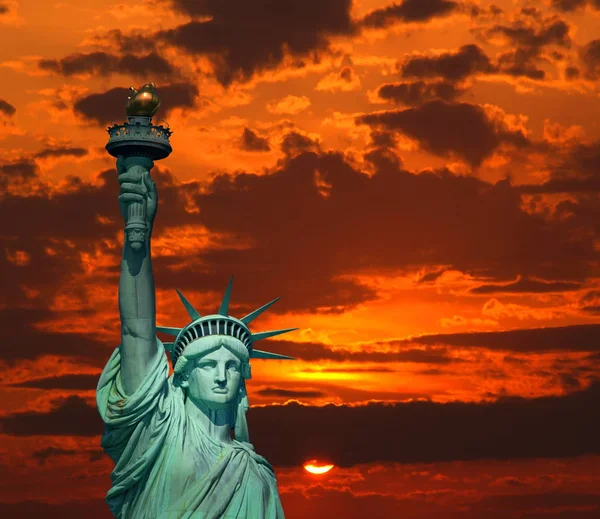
180,443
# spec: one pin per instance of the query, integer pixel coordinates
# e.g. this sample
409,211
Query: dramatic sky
419,181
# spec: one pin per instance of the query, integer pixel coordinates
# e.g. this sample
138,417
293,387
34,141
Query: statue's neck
216,423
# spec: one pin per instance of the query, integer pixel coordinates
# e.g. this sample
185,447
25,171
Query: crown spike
264,335
224,308
169,330
192,312
259,354
253,315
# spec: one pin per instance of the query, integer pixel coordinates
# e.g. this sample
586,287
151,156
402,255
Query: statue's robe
166,467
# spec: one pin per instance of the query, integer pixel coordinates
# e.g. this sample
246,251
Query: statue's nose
220,374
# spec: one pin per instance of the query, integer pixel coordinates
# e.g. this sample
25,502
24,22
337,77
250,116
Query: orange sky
419,182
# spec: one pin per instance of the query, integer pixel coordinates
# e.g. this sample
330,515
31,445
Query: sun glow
315,467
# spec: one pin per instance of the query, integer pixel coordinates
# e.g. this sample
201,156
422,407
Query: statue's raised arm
138,202
136,144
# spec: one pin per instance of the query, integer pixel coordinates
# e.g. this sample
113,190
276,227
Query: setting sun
314,467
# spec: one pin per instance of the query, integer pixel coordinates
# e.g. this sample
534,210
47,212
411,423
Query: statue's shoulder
249,449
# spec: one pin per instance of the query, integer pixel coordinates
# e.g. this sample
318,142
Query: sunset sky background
418,180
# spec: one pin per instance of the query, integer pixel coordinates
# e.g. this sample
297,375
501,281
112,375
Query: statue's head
212,370
211,357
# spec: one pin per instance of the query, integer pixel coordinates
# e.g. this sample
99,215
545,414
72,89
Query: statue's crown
220,324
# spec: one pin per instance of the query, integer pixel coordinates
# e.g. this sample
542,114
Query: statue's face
215,379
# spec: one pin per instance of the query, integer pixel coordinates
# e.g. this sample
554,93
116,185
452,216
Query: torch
137,144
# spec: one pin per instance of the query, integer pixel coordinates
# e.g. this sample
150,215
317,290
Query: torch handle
137,217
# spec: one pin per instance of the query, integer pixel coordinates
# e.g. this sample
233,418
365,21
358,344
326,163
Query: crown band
211,326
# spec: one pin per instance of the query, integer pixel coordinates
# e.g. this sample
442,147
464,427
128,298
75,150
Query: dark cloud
318,502
24,339
80,382
408,11
591,309
90,509
584,337
250,141
37,263
136,43
346,74
72,417
104,64
383,159
521,62
590,302
308,238
242,38
299,233
509,428
294,143
473,136
44,455
63,151
6,107
569,382
44,235
476,10
567,6
109,107
431,277
530,34
577,172
65,214
590,59
383,139
290,393
550,31
468,60
557,505
419,92
23,169
571,72
594,357
339,392
526,285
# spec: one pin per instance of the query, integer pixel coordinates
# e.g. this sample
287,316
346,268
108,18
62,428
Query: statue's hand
138,186
151,196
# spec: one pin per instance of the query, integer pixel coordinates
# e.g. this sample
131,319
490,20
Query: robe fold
166,467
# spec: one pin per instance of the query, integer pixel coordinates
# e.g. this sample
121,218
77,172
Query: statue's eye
233,366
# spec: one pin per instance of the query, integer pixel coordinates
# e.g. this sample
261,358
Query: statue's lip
220,390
